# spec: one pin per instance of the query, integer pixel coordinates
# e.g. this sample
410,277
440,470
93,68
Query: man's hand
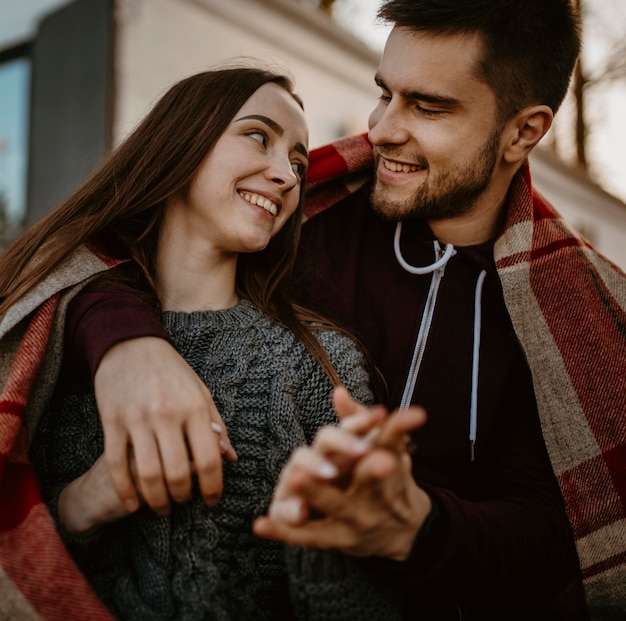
151,400
352,489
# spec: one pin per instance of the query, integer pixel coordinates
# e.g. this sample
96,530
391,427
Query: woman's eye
299,168
259,137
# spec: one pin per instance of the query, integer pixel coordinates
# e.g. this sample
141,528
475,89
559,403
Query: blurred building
77,75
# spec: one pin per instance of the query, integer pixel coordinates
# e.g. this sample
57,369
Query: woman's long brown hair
120,207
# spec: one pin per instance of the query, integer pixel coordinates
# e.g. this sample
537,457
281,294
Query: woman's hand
90,501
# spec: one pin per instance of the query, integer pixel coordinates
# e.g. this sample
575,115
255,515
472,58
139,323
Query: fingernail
294,510
131,505
361,445
290,511
224,446
216,427
327,470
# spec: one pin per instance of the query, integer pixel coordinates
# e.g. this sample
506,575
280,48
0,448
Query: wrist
417,522
90,501
74,508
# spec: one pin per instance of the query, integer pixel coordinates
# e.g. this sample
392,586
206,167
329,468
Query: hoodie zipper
437,269
422,336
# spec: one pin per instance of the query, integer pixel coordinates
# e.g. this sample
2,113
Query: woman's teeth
260,201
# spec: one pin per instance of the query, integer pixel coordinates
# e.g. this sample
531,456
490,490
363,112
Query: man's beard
455,192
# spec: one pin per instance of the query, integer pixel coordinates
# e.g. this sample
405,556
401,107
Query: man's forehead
414,60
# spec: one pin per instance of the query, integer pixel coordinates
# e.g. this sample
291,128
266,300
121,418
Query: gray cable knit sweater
200,562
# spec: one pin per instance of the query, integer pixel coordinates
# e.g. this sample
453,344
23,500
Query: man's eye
384,97
259,137
428,112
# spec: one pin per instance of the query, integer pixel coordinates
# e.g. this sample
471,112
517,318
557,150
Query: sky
605,24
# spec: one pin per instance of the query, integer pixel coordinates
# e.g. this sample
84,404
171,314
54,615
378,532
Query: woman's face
249,184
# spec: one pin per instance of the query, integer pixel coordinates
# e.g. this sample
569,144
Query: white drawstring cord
447,255
475,360
428,269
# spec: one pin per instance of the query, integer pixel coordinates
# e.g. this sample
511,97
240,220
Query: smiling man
436,129
466,286
478,304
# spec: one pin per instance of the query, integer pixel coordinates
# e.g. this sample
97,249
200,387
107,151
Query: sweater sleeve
101,316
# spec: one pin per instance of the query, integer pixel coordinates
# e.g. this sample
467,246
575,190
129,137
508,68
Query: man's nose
387,126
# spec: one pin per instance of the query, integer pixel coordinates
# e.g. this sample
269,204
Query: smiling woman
199,212
243,193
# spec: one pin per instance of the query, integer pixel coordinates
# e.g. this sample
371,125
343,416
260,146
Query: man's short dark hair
530,46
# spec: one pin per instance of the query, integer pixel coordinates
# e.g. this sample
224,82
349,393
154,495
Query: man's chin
383,210
391,210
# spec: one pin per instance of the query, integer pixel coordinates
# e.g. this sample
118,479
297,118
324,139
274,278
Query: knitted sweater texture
202,562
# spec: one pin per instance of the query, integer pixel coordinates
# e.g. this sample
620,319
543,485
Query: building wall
162,41
599,217
157,42
19,21
72,64
66,48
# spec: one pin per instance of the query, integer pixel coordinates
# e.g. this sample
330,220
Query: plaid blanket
568,307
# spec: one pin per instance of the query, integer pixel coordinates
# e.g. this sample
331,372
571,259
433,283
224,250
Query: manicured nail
327,470
294,511
290,511
361,445
224,446
216,427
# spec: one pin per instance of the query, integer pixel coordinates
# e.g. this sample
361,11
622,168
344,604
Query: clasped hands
352,489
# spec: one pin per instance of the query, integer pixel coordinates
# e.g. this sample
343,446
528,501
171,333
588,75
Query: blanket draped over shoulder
568,307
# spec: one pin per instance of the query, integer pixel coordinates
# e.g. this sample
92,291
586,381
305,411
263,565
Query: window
14,123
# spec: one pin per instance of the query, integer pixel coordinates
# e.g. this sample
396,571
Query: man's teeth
397,167
260,201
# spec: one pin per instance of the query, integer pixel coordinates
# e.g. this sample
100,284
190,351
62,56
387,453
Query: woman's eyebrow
274,126
264,119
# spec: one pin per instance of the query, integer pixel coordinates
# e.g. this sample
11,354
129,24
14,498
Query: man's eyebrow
274,126
418,96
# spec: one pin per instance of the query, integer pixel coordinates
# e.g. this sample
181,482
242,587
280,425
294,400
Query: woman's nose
281,172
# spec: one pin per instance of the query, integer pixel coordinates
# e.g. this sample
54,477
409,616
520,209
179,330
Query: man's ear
525,130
